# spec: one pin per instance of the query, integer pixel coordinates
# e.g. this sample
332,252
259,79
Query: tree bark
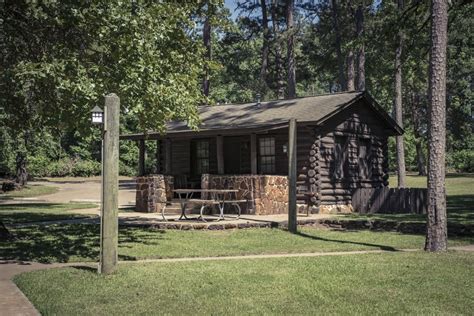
278,62
265,47
397,106
290,4
361,47
436,233
337,43
350,71
206,35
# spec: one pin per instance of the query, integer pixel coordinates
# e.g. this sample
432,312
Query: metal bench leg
201,215
163,213
239,209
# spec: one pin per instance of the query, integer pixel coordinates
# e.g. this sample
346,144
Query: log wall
356,124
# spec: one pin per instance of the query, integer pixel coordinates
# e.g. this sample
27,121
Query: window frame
267,153
201,156
366,160
340,158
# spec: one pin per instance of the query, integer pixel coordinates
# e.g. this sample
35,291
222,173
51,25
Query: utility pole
110,168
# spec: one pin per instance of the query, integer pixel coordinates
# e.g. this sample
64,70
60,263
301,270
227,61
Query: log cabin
342,145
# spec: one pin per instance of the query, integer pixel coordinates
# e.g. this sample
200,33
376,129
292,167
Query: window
201,156
341,161
267,155
364,158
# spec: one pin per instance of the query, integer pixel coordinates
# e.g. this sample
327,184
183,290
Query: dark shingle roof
248,115
273,113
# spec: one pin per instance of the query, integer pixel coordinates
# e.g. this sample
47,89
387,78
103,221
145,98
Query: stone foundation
335,209
152,193
268,193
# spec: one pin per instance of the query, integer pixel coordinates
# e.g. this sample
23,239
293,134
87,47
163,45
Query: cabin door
236,154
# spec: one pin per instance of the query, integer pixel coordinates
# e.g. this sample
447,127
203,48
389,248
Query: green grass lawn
460,200
396,283
30,190
37,212
75,243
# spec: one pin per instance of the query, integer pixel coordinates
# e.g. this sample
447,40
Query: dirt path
86,191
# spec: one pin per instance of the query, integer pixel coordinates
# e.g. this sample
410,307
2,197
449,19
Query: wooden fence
387,200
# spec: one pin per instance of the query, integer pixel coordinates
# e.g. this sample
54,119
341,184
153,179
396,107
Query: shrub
125,170
39,166
461,161
86,168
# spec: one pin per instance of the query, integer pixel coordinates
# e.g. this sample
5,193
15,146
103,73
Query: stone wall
152,192
268,193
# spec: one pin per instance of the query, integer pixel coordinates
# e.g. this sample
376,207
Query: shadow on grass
65,243
38,212
381,247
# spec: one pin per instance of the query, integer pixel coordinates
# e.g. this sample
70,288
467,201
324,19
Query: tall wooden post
141,157
292,225
220,154
110,167
158,167
253,154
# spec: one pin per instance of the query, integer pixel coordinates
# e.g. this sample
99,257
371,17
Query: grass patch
398,283
74,243
30,190
460,201
38,212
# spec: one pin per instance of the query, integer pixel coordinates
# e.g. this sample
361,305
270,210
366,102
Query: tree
436,233
337,44
397,103
280,89
359,16
63,57
265,46
291,82
206,36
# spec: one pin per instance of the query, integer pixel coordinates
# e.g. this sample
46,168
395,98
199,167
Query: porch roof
272,114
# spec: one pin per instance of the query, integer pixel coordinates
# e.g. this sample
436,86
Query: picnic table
213,197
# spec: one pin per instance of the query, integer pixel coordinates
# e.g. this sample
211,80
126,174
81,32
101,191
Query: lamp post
109,119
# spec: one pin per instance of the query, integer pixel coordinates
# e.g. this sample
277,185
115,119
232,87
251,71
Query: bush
38,166
125,170
86,168
461,161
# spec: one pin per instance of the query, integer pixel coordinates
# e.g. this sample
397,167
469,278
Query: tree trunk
290,4
21,173
415,116
350,71
265,47
278,62
337,43
397,106
206,35
437,232
361,47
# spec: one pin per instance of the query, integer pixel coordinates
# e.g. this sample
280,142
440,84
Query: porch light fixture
97,115
285,148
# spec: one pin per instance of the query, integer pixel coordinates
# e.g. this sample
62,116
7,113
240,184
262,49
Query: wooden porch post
141,157
168,156
292,225
157,156
253,153
220,154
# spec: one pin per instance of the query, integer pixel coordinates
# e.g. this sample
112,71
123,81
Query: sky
231,5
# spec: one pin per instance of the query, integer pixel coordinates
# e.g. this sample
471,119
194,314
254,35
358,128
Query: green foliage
461,161
40,166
